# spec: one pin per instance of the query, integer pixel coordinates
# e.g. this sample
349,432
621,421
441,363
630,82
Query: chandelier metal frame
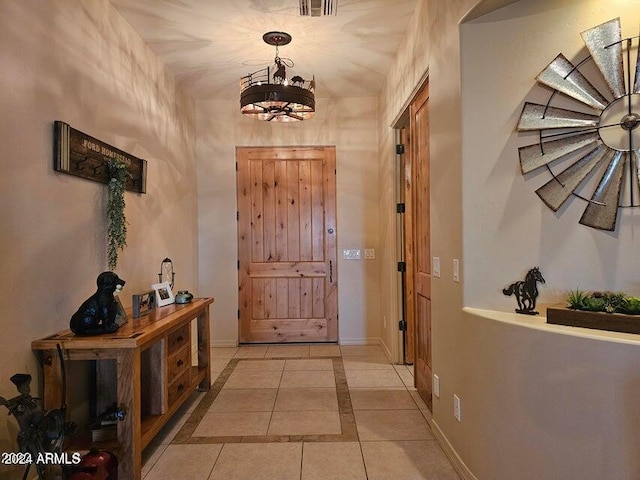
267,94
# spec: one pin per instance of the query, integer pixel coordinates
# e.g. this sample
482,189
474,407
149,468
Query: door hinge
402,325
238,216
400,149
236,166
402,266
238,264
238,314
399,207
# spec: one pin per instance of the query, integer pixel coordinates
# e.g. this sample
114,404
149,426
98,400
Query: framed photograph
121,315
164,295
143,303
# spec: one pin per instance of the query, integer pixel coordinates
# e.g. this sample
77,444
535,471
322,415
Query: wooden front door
420,263
287,268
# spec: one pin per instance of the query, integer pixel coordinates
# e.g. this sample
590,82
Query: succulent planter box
613,322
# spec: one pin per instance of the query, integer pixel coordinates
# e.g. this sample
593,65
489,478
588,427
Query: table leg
204,349
129,430
52,371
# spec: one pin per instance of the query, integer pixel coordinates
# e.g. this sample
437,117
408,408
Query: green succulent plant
593,304
116,219
613,301
609,302
631,306
576,299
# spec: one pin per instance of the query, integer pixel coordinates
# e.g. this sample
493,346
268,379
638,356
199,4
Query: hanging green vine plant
116,220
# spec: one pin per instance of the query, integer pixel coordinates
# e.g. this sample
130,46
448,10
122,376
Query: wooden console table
153,371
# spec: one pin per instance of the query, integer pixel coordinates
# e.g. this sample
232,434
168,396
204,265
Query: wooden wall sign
79,154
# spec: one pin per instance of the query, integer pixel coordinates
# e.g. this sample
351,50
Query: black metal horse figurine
526,291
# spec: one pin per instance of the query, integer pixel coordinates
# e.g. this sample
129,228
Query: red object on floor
97,465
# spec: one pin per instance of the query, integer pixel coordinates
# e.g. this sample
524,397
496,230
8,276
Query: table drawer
179,362
178,387
178,338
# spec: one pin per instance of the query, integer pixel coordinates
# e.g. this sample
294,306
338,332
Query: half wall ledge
540,323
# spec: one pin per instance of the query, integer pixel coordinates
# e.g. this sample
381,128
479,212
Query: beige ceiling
210,44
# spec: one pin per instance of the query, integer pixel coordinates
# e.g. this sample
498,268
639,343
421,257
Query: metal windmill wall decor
605,141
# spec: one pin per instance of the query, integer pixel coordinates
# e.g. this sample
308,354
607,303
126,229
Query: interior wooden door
421,262
288,277
408,310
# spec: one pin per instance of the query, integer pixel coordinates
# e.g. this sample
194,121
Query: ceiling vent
318,8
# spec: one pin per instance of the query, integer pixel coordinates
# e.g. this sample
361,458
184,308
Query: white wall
503,217
78,61
408,69
350,125
538,402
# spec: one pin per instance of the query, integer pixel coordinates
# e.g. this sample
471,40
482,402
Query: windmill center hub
618,124
630,121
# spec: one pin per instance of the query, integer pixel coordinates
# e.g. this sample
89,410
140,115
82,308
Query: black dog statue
99,313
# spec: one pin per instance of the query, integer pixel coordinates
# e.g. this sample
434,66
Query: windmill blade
636,84
602,211
562,75
557,190
604,45
539,155
636,158
534,117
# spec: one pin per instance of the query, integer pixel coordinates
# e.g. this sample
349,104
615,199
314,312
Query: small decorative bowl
183,296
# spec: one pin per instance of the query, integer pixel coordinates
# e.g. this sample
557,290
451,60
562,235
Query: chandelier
270,95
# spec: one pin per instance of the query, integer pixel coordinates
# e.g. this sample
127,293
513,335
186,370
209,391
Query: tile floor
300,412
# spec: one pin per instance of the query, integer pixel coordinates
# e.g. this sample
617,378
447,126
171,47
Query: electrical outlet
436,267
436,385
457,407
456,270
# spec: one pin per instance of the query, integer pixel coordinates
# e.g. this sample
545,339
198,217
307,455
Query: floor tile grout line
192,422
364,464
185,435
276,400
215,461
164,448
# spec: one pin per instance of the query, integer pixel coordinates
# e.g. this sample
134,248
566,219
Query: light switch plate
351,254
369,253
435,268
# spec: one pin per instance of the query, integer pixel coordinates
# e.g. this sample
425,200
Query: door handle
330,271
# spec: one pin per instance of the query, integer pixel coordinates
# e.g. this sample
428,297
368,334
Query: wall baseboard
386,351
449,451
223,343
360,341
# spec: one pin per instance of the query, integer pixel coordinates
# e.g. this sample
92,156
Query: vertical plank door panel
245,199
287,247
317,212
257,221
280,187
269,207
293,211
304,190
